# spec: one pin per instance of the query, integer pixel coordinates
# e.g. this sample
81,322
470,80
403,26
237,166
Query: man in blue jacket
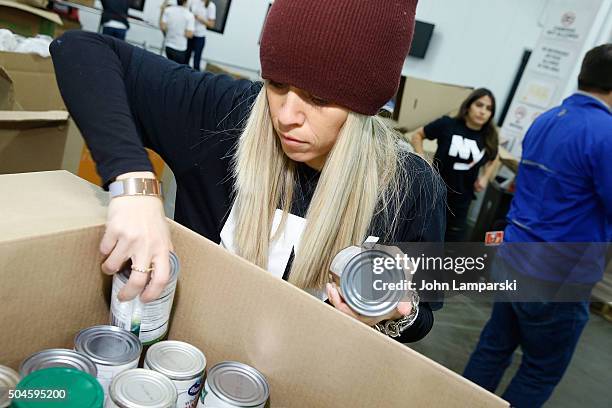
564,194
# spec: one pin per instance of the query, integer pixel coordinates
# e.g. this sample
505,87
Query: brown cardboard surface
41,4
424,101
26,20
43,137
52,17
312,355
34,80
35,117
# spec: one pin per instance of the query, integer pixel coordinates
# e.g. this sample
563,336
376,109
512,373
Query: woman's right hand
137,229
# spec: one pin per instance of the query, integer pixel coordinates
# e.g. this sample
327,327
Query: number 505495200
37,394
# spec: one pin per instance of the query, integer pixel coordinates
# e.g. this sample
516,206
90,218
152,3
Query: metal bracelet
394,328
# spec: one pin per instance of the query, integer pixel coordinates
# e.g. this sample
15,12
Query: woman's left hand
480,184
333,294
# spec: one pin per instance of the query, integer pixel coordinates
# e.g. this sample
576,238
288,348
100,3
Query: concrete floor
587,382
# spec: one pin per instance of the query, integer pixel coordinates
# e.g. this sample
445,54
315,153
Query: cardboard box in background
33,80
42,4
423,101
36,132
26,20
312,355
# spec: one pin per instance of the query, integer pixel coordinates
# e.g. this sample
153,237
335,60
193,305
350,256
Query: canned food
58,387
140,388
184,364
8,381
355,267
111,348
231,384
147,321
57,358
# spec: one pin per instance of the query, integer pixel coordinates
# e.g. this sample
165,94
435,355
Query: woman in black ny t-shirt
466,142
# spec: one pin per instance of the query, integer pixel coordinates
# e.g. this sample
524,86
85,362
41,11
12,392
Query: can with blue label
182,363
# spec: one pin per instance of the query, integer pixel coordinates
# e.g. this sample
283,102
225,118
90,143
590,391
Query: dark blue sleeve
437,128
124,99
424,220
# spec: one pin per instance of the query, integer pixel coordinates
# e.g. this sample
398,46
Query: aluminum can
231,384
148,321
8,381
354,266
140,388
57,358
111,348
184,364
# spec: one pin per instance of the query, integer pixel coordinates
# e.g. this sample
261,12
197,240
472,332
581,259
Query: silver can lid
108,345
238,384
58,358
177,360
8,381
140,388
175,267
358,289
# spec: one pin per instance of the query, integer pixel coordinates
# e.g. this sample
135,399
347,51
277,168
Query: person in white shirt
205,13
177,23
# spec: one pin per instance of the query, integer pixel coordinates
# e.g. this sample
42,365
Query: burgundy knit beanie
350,52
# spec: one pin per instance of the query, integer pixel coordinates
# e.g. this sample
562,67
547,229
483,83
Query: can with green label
58,387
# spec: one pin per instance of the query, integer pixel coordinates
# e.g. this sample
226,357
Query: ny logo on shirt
463,148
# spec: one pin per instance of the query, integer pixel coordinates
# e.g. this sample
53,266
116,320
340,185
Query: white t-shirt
178,20
199,9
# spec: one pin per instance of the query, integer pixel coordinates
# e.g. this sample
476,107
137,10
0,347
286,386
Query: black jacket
124,99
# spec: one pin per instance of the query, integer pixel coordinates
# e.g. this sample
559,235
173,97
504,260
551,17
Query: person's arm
417,141
490,170
601,167
190,26
124,98
162,21
211,12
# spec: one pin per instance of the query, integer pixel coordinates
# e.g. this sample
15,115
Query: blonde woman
284,173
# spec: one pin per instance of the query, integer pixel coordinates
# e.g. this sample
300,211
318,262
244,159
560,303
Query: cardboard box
311,354
423,101
33,80
26,20
42,4
36,132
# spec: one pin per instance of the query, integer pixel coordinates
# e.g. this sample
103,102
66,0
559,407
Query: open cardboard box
36,132
423,101
25,20
311,354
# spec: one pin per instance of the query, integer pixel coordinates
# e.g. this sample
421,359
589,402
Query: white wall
477,42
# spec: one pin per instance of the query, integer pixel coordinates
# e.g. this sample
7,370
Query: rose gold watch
136,187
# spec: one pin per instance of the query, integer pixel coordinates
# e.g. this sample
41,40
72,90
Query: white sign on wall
556,55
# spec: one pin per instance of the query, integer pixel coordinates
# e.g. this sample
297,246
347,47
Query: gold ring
142,270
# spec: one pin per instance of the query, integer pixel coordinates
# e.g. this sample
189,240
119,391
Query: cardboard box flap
311,354
48,202
29,119
7,93
54,18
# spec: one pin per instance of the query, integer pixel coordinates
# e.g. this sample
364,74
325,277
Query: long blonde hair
360,181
